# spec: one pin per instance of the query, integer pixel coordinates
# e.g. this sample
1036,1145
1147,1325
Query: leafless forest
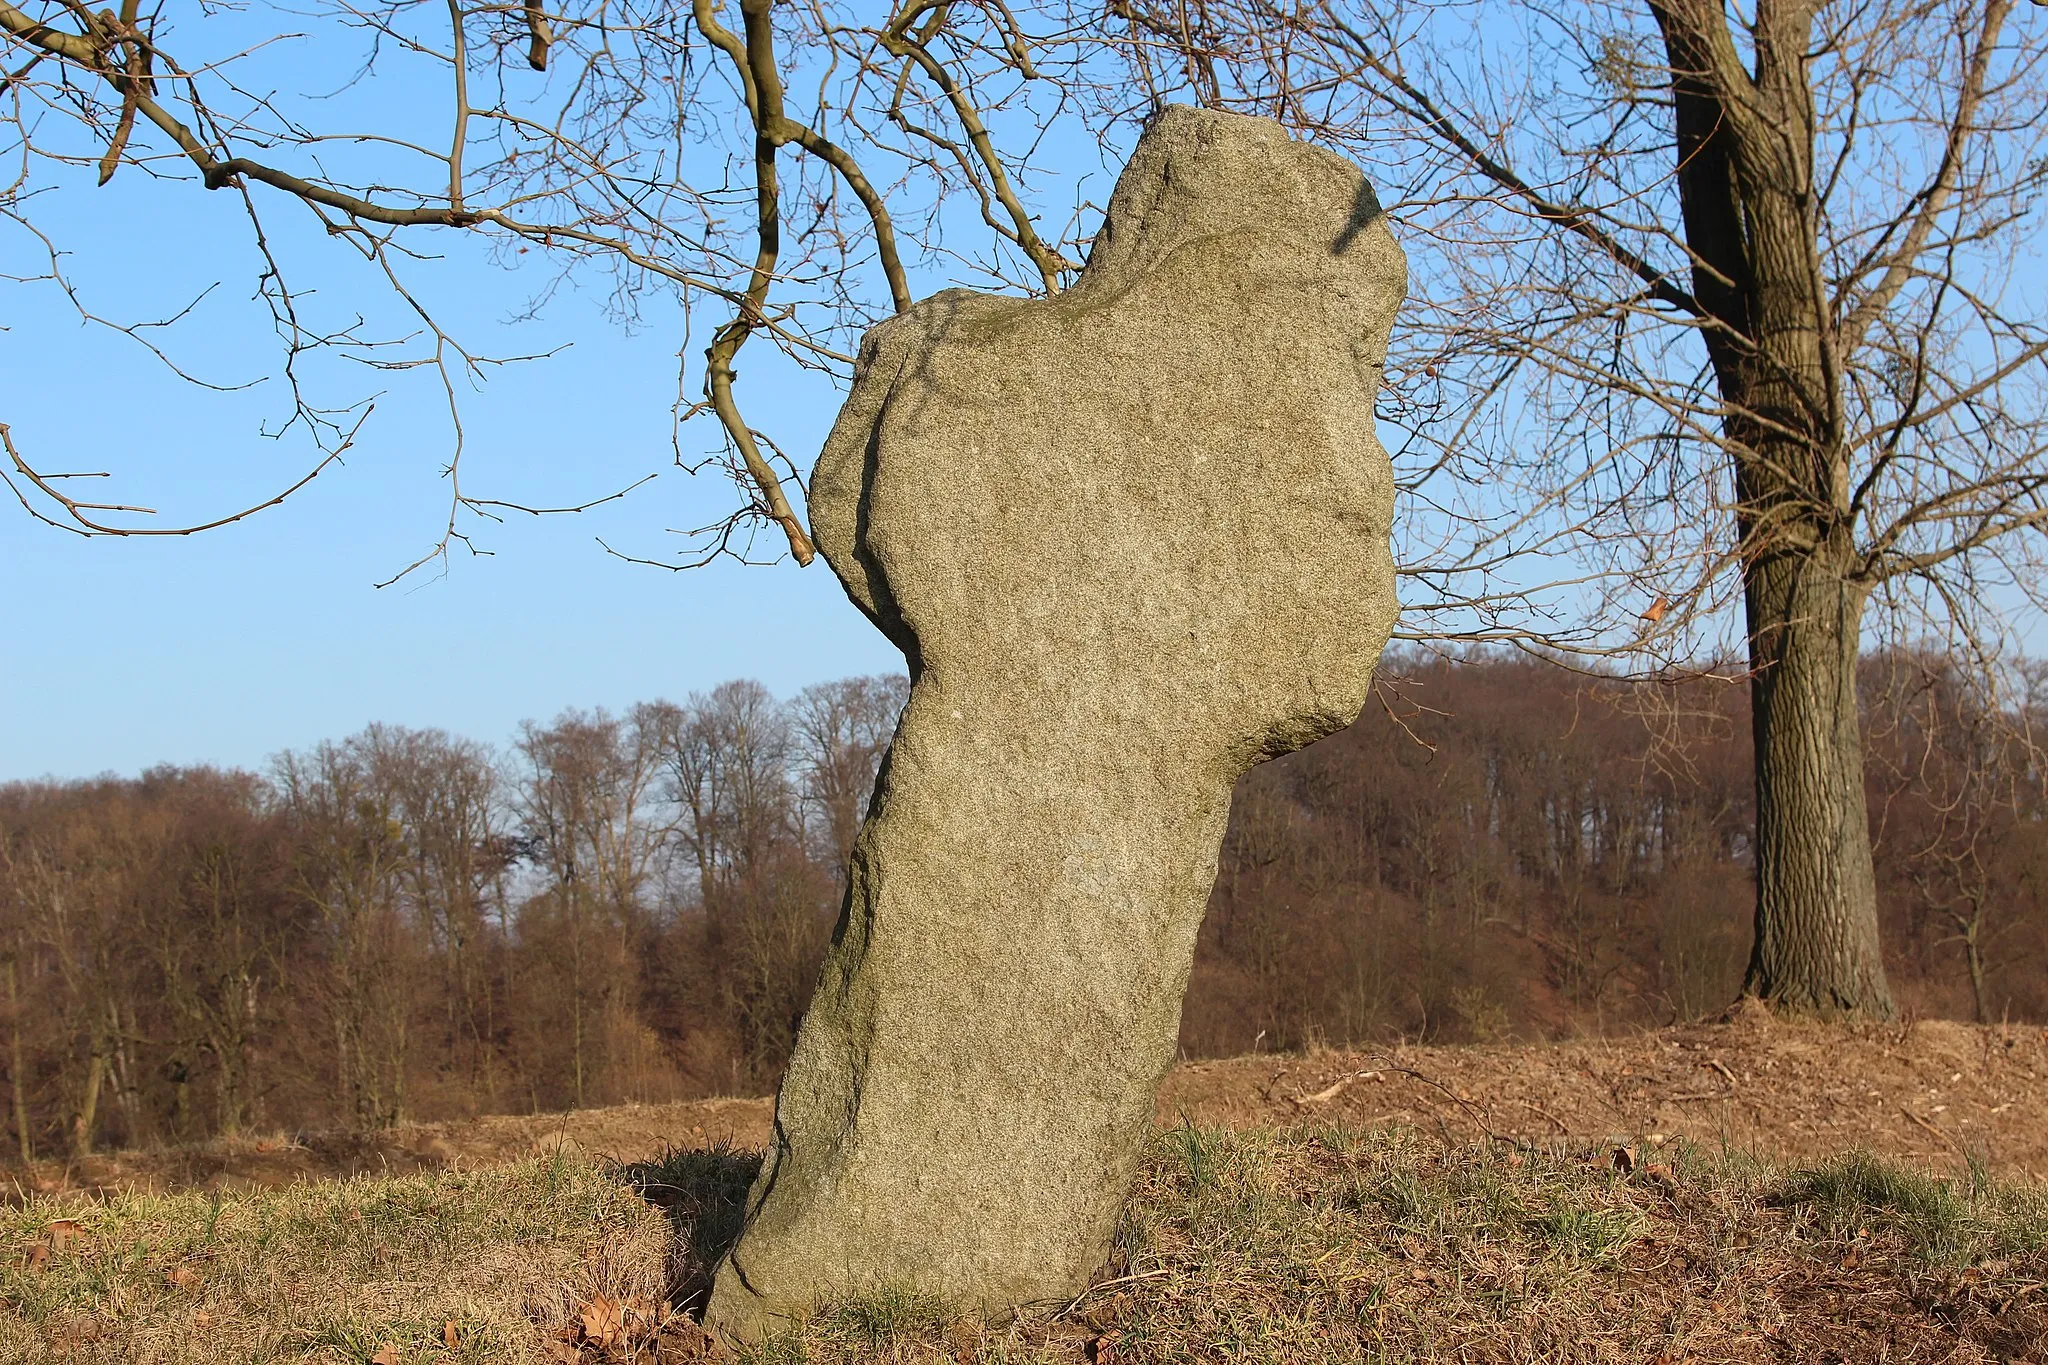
405,924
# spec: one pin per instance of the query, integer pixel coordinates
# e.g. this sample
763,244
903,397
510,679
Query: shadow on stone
703,1193
1365,211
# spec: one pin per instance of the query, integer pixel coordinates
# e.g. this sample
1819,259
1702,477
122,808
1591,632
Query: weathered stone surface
1133,539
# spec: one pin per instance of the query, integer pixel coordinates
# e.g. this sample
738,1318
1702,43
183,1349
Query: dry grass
1308,1245
1341,1245
331,1271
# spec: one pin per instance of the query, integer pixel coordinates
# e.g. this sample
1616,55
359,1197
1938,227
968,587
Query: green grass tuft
1942,1222
1592,1235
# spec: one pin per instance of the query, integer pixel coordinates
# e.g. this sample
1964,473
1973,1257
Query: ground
1744,1191
1924,1092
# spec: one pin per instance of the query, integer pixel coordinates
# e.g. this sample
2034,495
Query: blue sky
232,645
270,634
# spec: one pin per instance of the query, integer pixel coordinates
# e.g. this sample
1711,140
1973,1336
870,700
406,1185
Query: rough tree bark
1816,946
1745,150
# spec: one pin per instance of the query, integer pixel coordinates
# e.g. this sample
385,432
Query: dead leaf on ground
604,1321
641,1317
202,1320
450,1337
35,1255
62,1231
183,1276
964,1337
387,1354
563,1353
690,1340
1625,1159
76,1330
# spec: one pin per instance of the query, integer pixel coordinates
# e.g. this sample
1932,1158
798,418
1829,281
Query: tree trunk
87,1117
232,1050
1968,929
17,1077
1745,176
121,1070
1816,944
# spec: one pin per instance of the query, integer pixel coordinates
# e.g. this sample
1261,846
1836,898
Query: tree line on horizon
408,924
405,924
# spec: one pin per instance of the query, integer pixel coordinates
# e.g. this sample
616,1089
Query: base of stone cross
1133,539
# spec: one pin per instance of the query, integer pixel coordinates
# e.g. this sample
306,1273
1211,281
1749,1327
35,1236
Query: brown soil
1924,1093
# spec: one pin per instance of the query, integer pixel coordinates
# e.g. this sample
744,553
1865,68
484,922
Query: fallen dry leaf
202,1319
183,1276
604,1321
1624,1159
35,1255
387,1354
449,1336
62,1231
563,1353
76,1330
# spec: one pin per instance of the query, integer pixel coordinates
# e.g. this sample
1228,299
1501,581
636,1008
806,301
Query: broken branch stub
1133,539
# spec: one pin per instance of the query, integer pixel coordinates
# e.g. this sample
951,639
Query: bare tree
351,861
450,809
210,929
590,827
1956,776
841,730
726,763
733,760
1715,307
73,876
779,174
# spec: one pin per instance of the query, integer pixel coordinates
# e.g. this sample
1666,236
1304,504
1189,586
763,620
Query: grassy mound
1336,1245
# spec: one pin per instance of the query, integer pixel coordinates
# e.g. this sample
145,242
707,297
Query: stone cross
1133,539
